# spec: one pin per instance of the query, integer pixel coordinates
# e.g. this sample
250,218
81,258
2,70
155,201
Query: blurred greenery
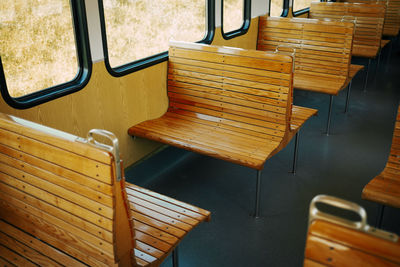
37,44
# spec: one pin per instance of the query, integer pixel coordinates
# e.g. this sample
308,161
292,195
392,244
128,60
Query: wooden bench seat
368,19
335,241
384,43
227,103
322,51
385,187
391,25
64,201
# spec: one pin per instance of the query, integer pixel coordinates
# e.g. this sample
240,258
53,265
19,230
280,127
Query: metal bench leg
175,261
379,218
346,107
379,60
328,124
296,148
258,189
366,76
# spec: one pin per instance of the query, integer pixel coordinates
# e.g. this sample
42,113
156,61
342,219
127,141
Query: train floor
339,165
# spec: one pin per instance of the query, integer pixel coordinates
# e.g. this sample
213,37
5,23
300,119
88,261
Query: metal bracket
361,225
113,149
293,54
348,18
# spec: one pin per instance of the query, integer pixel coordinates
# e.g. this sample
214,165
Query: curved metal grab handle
316,214
293,54
114,149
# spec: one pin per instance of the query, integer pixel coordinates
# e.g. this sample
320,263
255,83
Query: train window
276,8
44,50
300,5
235,17
136,33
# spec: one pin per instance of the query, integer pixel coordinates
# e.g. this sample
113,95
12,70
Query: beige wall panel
108,103
247,41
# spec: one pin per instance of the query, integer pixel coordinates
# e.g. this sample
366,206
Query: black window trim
246,21
153,59
285,8
301,11
81,79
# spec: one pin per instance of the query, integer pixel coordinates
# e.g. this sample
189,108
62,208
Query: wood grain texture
392,15
246,41
133,98
322,50
229,103
367,17
385,187
53,213
330,244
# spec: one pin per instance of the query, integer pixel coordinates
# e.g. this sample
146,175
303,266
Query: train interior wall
115,104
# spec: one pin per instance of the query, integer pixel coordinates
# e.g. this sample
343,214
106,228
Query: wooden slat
97,170
323,50
11,256
26,251
335,245
38,245
52,136
385,187
368,18
84,181
59,213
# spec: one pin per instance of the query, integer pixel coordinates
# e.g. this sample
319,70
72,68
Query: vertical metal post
175,262
379,59
379,218
366,76
296,148
346,107
258,189
328,124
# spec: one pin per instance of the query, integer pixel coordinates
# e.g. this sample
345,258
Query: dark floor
339,165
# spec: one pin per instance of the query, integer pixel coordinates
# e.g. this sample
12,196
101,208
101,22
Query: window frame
84,60
285,8
156,58
300,11
246,21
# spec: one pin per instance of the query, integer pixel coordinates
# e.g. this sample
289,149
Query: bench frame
229,57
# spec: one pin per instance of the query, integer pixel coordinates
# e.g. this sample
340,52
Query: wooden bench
64,201
385,188
335,241
391,25
392,18
368,19
323,52
228,103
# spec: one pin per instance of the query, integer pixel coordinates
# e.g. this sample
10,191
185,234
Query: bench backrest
64,192
336,241
323,48
391,25
368,18
393,163
245,89
331,244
